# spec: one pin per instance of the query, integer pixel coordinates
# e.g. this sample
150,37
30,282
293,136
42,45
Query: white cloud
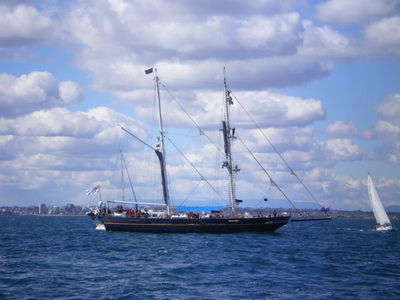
343,150
54,122
387,130
34,91
119,48
349,129
62,122
340,128
383,37
263,44
340,191
385,134
260,34
381,34
265,108
271,109
388,113
70,93
51,149
62,138
356,11
24,25
324,42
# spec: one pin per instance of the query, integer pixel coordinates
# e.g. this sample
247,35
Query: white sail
382,219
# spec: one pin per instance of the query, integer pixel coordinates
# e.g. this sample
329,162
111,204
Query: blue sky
320,77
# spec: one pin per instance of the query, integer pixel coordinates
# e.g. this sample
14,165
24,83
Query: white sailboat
382,219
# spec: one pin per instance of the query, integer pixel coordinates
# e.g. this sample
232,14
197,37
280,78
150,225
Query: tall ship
136,216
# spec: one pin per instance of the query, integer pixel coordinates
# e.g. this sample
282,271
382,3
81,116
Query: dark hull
193,225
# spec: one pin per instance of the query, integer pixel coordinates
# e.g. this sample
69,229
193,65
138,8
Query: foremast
228,135
160,152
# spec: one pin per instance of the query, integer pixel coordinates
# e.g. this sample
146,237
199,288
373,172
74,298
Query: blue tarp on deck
199,208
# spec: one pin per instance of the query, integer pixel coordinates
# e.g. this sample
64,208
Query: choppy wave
66,258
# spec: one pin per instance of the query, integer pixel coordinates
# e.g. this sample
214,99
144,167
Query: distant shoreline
334,215
61,215
44,215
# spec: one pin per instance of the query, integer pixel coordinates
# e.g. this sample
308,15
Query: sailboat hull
229,225
384,227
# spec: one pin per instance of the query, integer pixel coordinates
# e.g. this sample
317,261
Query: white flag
93,190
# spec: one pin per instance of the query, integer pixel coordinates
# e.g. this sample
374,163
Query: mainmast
228,135
122,178
160,148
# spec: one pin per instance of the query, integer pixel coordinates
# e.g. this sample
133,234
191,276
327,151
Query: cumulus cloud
383,37
35,91
387,130
262,48
326,43
23,25
187,24
265,108
356,11
70,93
55,148
272,109
263,45
59,122
343,150
327,183
274,48
388,113
347,129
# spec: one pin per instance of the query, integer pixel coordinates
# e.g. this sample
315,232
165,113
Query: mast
160,149
122,178
226,128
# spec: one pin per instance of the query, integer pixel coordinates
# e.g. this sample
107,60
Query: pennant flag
93,190
149,71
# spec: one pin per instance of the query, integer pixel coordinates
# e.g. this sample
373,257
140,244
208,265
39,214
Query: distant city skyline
321,78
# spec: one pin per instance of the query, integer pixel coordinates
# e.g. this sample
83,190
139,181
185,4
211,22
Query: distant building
42,209
53,210
70,208
32,210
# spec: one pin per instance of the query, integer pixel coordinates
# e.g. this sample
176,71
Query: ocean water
66,258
